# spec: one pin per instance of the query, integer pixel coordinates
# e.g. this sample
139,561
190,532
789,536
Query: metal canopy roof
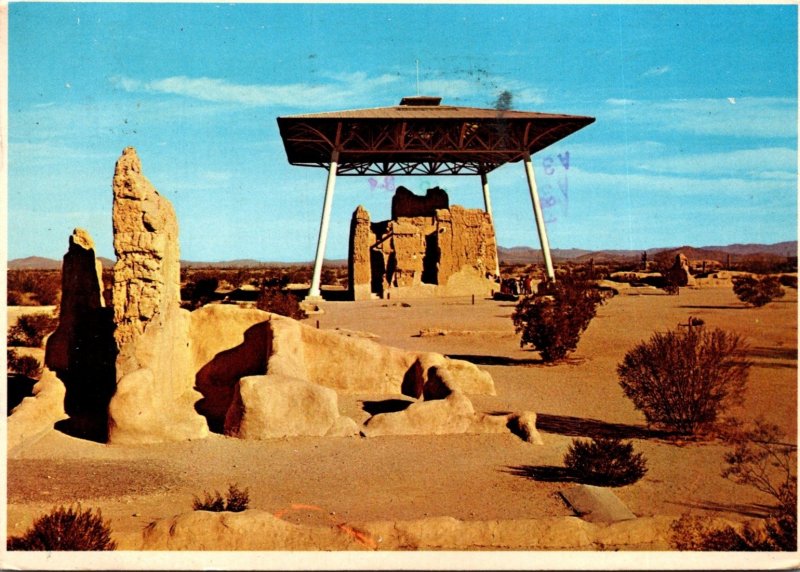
421,137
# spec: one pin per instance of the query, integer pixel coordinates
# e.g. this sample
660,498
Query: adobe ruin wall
428,248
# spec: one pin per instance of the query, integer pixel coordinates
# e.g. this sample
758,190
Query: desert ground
469,477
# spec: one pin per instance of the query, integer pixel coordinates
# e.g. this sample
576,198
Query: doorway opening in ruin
378,271
430,260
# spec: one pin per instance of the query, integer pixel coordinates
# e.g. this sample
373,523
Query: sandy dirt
469,477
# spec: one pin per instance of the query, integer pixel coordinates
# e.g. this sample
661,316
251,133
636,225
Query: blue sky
695,140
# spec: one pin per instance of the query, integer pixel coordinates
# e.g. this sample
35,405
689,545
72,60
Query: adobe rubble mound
428,248
265,376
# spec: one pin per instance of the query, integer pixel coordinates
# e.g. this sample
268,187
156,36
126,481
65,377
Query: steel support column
537,212
487,201
314,292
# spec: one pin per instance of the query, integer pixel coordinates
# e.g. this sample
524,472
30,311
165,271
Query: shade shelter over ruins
422,137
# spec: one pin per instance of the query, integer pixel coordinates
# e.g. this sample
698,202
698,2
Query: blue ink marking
386,185
547,163
564,160
558,171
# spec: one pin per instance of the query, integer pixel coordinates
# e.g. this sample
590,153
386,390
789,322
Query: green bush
552,321
66,529
237,500
28,366
684,379
273,299
605,462
757,291
31,329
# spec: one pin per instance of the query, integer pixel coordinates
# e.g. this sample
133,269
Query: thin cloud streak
343,87
767,117
656,71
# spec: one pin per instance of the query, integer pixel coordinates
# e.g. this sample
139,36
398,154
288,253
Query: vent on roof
421,100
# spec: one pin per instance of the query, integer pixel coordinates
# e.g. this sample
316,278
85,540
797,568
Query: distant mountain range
514,255
527,255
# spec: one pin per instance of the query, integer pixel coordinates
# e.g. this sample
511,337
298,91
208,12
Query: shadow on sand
18,388
478,359
712,307
385,406
753,510
581,427
773,353
544,473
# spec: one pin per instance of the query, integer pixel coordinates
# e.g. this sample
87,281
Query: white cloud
355,88
656,71
619,101
339,87
448,89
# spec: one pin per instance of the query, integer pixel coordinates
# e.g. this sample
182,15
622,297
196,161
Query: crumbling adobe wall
466,239
81,351
424,250
155,396
360,261
679,273
407,204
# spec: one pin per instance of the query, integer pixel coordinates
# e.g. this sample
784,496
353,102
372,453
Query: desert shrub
328,276
237,500
15,298
44,285
28,366
66,529
552,321
694,533
684,379
757,291
213,503
761,460
198,291
276,301
31,329
671,285
788,280
301,275
605,461
779,533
